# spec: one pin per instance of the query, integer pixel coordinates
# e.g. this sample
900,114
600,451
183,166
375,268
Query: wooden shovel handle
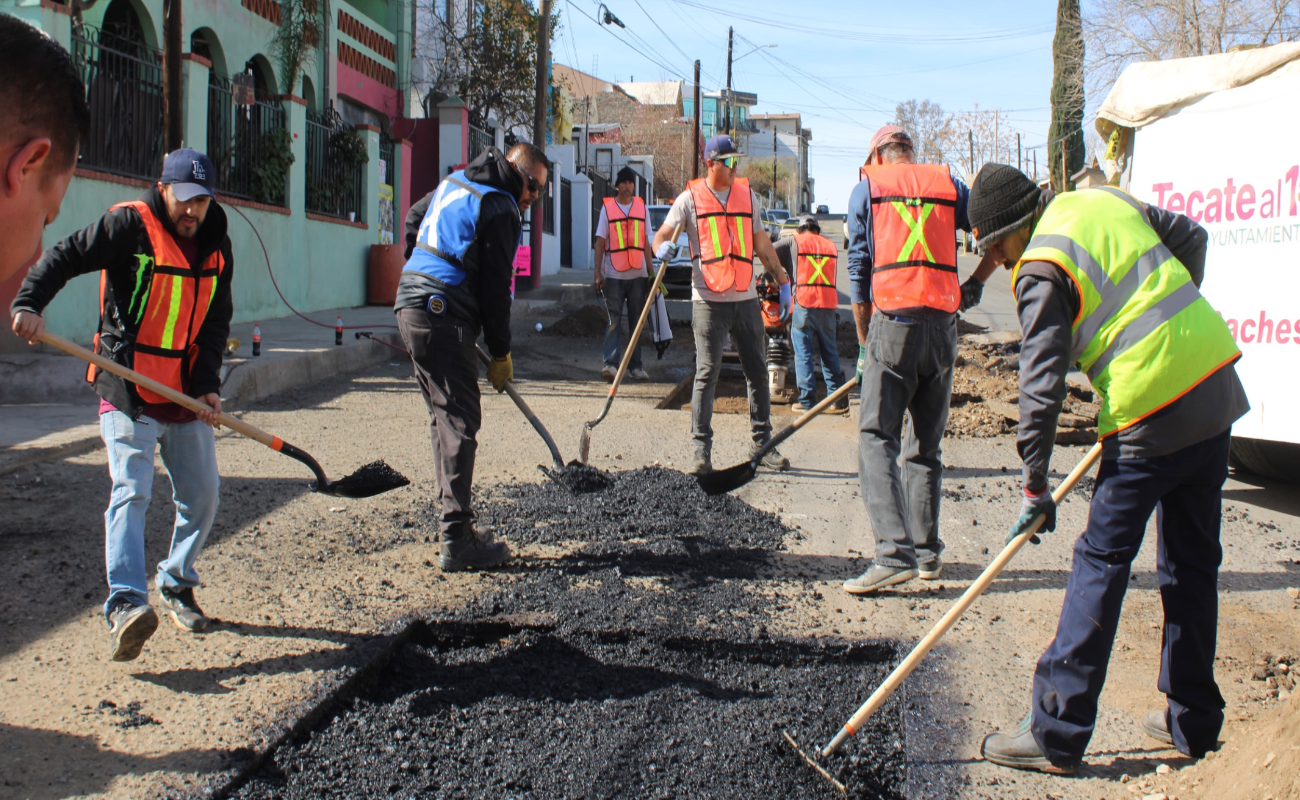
634,339
977,588
235,424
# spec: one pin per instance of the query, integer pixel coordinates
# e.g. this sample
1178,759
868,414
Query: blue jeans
189,454
1184,489
813,331
621,292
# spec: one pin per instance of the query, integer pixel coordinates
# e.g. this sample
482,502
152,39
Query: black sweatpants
446,366
1184,488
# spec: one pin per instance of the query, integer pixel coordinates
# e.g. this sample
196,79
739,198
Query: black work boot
1156,725
184,609
463,547
129,627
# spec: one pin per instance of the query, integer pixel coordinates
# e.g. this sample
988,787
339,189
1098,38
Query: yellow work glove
501,370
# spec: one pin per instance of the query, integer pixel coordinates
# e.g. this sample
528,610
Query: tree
295,42
984,135
934,137
483,52
1121,32
759,173
1065,136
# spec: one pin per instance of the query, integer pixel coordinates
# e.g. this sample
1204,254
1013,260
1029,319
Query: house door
566,223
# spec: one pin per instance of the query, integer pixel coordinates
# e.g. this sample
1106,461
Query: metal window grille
334,186
238,141
386,156
479,140
124,89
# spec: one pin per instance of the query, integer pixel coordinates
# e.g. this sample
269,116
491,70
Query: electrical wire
270,272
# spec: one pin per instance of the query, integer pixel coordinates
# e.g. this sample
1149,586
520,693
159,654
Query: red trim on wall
235,201
336,220
96,175
366,65
292,98
197,59
268,10
366,35
367,91
57,8
365,127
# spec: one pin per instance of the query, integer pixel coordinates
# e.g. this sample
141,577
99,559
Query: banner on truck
1231,161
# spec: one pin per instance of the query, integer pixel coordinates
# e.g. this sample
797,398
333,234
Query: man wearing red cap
901,231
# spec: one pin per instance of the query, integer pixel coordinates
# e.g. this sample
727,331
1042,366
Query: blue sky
857,59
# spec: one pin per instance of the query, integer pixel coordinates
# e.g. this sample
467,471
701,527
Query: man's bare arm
861,319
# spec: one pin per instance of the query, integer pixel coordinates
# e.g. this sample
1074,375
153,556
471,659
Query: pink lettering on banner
1263,329
1233,201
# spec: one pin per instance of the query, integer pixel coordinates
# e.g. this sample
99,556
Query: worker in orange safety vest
901,234
622,259
165,266
814,260
720,216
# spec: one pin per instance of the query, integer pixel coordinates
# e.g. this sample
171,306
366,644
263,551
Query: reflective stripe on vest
815,271
172,308
1144,335
724,235
913,222
625,243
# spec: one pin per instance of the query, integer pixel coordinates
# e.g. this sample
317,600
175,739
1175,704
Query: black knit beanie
1002,200
626,174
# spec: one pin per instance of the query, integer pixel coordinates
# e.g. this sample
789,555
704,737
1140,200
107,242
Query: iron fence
386,156
335,175
479,140
248,145
124,89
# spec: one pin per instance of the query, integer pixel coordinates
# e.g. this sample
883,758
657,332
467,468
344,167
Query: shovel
949,619
584,443
372,479
732,478
557,461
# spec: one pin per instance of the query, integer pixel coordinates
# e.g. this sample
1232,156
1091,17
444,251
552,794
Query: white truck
1214,137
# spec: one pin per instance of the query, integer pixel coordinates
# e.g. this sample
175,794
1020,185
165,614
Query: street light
606,17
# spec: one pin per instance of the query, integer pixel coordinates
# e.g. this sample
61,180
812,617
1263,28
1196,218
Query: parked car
823,209
779,215
770,225
678,275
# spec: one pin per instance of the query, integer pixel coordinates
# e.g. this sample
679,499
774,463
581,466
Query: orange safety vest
625,243
913,219
815,271
173,308
725,235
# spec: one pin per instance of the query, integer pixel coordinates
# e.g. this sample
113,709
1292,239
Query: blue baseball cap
189,173
718,146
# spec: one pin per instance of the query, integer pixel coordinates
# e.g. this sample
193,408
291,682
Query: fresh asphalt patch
639,663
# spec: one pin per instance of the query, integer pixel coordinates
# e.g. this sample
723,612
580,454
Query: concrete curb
244,381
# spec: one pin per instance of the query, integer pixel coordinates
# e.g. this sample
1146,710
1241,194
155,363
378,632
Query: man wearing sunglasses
720,215
461,242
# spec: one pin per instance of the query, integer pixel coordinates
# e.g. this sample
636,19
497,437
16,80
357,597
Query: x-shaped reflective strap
818,264
917,228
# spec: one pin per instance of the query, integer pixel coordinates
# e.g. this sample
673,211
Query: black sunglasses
532,183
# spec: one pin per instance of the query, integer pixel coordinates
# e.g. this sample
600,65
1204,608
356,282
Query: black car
678,275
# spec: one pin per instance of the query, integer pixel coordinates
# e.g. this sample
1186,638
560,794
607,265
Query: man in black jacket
165,268
461,242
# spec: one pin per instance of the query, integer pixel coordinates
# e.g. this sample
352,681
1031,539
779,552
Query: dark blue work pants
1184,488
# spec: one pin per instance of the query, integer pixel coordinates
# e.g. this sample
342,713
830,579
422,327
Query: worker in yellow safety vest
622,258
1111,284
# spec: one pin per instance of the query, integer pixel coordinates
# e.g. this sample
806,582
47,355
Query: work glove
862,361
667,251
785,301
501,370
971,292
1030,507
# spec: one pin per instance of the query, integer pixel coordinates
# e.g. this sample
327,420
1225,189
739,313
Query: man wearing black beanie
1110,283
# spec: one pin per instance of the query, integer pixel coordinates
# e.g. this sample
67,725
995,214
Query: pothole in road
638,664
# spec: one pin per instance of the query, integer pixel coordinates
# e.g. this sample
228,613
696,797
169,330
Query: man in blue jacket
456,285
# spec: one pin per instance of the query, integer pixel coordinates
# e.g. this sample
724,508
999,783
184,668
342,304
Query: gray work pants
446,367
908,369
712,322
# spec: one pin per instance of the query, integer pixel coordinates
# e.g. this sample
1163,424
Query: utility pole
1035,166
1020,164
695,169
727,122
172,75
774,161
997,137
539,135
970,134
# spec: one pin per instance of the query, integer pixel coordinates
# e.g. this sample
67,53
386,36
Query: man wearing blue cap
165,267
720,215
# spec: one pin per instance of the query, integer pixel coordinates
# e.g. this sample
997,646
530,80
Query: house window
605,163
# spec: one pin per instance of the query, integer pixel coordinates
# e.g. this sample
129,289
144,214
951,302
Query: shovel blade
584,443
729,479
372,479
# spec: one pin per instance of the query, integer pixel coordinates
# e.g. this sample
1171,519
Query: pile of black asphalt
639,663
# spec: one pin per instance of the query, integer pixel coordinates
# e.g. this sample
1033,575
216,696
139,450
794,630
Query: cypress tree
1067,95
